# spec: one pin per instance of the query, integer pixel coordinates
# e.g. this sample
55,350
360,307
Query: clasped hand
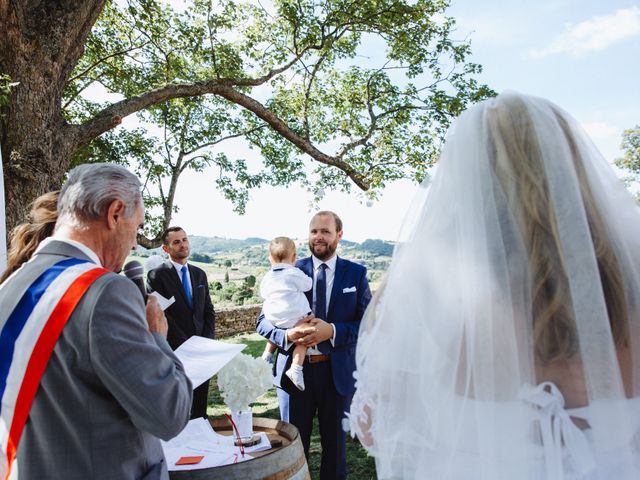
310,331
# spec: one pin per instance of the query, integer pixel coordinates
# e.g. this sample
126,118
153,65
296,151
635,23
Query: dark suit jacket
184,322
350,296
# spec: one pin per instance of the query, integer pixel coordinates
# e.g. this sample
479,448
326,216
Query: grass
359,465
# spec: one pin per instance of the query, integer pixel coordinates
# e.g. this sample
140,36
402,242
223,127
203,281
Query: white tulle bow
557,431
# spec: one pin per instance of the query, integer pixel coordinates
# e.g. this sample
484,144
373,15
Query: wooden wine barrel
285,460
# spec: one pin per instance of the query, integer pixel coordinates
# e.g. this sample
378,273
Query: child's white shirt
282,289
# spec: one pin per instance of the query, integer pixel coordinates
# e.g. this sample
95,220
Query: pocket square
349,290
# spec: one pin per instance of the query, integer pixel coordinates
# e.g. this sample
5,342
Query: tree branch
307,95
222,139
104,59
283,129
113,115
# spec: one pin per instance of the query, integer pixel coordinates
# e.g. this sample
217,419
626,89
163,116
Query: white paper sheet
198,438
163,302
197,432
203,358
226,441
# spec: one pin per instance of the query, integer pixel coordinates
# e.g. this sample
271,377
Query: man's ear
339,235
165,249
115,213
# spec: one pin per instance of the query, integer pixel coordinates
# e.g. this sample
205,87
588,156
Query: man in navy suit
339,297
192,312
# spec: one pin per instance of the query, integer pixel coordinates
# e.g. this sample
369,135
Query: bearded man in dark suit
192,312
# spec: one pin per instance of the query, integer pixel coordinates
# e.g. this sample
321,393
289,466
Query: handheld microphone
134,272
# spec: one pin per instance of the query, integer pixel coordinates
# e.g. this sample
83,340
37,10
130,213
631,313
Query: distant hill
347,243
253,250
380,248
218,244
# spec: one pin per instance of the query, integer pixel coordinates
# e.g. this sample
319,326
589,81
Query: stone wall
234,320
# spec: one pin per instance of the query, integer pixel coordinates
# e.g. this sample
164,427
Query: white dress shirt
330,274
178,268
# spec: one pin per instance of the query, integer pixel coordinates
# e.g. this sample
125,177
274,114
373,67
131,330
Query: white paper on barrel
203,358
198,438
195,436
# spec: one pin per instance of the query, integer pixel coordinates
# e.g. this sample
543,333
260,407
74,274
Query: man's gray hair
90,189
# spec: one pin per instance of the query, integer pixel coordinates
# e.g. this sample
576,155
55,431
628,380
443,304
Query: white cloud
606,137
600,131
595,34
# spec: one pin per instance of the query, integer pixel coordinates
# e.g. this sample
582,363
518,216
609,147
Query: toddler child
285,303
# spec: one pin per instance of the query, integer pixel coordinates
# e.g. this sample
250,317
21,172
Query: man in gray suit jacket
112,385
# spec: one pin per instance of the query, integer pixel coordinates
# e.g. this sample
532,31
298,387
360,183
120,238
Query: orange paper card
190,460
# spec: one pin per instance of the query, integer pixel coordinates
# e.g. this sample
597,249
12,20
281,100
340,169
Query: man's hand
155,317
317,332
302,328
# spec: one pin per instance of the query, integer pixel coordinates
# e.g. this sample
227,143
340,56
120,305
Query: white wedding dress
515,285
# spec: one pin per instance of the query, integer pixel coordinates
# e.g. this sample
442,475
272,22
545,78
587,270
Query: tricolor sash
27,339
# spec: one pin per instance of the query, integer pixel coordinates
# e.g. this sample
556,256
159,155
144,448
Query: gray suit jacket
110,387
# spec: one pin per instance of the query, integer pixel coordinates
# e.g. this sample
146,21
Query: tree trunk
34,149
40,44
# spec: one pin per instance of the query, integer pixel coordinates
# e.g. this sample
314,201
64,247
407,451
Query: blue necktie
185,284
321,292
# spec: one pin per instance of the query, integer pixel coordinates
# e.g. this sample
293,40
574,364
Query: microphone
134,272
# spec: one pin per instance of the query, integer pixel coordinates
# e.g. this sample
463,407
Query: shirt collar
331,263
93,256
178,266
281,266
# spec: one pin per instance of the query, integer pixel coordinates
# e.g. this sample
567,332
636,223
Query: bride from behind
505,341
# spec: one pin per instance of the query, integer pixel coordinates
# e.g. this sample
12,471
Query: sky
581,54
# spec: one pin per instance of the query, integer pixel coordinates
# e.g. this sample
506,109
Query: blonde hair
26,237
518,164
282,249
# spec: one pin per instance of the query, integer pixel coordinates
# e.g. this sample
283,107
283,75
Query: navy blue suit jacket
350,296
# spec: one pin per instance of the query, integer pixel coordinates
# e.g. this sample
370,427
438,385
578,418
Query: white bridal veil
505,342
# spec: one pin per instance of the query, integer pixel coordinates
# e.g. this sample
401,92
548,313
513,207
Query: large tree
287,76
631,150
630,159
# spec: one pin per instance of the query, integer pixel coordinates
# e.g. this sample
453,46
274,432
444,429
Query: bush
201,257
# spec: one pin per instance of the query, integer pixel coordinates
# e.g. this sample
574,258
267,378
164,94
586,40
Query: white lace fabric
450,346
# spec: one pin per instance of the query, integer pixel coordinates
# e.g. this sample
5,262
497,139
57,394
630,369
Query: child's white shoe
296,376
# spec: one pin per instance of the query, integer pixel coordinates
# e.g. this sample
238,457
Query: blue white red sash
27,338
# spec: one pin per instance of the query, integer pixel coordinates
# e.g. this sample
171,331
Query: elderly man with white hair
87,380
